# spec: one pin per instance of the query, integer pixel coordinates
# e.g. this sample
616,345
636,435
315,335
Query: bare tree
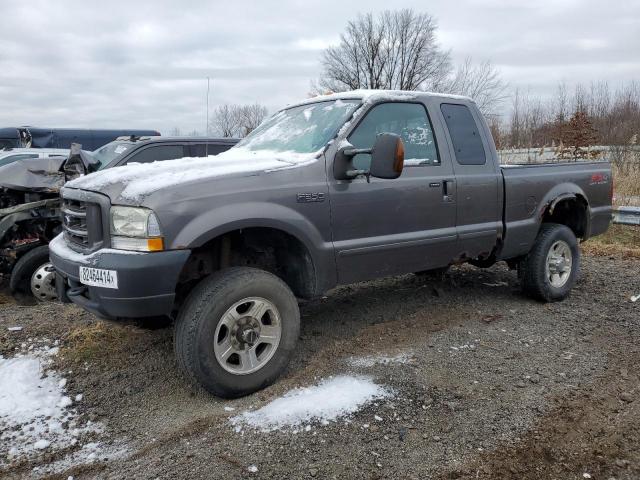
393,50
251,116
175,132
481,82
232,120
226,120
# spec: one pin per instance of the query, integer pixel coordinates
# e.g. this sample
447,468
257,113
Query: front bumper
146,283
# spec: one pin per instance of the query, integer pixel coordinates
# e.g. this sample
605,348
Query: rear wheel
34,275
236,331
550,270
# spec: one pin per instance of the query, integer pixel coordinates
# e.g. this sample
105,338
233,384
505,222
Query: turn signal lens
155,244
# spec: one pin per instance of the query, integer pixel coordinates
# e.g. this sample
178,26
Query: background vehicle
90,139
10,155
29,200
335,190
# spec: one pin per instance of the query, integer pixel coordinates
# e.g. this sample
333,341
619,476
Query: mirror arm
352,152
356,173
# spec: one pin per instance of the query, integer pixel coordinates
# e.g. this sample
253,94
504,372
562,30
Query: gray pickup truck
334,190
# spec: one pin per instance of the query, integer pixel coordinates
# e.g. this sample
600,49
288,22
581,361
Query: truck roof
378,95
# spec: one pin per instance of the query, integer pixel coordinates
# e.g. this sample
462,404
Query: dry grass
619,240
626,184
99,339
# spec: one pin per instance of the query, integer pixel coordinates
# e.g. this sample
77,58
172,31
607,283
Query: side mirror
387,156
387,159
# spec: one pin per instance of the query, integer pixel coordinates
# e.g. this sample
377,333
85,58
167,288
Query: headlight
134,228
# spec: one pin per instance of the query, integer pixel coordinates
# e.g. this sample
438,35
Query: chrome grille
74,222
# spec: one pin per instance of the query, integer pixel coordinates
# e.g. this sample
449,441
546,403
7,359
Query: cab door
386,227
479,183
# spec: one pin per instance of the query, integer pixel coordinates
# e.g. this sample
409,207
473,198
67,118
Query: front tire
550,269
34,275
236,331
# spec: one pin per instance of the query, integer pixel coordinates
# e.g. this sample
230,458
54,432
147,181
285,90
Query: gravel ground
488,384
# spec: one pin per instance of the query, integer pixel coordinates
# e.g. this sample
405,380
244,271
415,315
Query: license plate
98,277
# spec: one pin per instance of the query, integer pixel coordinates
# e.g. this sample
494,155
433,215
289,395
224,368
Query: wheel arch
570,208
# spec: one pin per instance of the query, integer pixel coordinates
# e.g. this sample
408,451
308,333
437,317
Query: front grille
82,221
74,221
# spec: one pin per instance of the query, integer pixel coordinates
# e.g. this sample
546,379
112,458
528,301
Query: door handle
448,190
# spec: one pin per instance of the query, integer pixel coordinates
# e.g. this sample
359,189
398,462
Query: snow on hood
141,179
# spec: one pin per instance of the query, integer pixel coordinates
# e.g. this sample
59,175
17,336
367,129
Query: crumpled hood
33,174
130,184
46,174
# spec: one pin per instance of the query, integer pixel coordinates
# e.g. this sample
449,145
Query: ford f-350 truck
334,190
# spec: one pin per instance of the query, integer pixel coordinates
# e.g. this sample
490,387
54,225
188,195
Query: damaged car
30,214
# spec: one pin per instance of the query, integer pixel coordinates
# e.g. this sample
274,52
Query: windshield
302,129
108,152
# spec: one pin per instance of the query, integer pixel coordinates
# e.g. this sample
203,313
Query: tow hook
76,291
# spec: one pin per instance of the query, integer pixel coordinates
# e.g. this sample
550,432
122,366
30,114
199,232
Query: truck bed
531,189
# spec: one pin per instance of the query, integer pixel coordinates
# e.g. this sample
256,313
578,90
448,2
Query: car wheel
550,270
236,331
34,275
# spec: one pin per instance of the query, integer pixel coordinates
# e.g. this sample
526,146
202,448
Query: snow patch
370,361
34,410
329,400
58,246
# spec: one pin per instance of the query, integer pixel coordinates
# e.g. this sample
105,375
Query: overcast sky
144,65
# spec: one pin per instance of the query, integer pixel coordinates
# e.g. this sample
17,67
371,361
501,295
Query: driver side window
409,121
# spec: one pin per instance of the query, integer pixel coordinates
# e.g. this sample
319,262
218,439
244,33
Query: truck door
479,214
386,227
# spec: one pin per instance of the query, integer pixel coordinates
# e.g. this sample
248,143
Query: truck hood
130,184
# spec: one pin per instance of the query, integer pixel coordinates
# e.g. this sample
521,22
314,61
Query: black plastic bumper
146,283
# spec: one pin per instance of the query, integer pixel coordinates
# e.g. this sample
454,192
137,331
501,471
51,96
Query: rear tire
236,331
550,269
22,280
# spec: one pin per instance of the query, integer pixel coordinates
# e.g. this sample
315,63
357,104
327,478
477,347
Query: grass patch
619,240
101,339
626,183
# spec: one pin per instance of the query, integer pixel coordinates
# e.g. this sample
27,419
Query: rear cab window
464,133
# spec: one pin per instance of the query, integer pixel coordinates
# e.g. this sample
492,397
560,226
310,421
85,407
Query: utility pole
206,130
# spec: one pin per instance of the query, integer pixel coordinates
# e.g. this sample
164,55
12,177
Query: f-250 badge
310,197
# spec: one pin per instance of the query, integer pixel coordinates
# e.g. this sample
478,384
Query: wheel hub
248,332
559,264
247,335
43,283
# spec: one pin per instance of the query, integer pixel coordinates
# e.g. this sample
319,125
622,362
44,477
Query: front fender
220,220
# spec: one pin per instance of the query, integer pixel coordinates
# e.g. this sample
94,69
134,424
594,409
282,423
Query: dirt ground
491,385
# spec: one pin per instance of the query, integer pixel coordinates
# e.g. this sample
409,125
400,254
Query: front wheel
34,274
550,270
236,331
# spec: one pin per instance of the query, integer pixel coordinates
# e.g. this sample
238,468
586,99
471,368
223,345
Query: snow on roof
329,400
141,179
373,95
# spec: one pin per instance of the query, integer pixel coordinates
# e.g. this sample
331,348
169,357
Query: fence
626,215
